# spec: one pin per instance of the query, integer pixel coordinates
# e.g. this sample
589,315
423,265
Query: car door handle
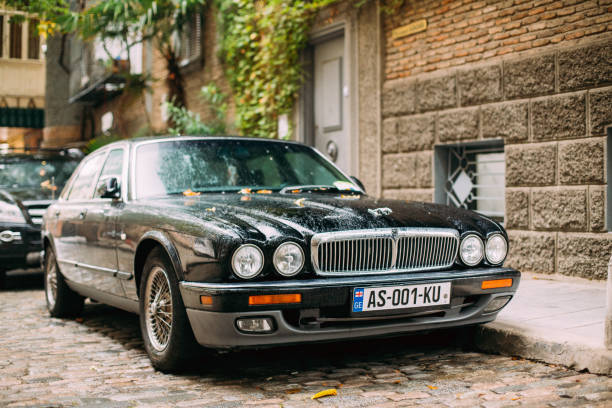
82,214
118,235
57,213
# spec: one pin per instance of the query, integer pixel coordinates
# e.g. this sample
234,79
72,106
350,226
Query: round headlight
288,259
471,250
496,249
247,261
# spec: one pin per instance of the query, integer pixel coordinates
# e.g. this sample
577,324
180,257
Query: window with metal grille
33,40
472,176
15,40
191,40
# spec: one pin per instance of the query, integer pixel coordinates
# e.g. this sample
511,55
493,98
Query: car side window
83,185
113,167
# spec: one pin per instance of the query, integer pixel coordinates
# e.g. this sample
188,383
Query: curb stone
556,348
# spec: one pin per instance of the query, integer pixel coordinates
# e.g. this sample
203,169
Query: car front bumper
324,313
21,251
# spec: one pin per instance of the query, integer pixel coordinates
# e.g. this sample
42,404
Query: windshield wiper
189,192
310,188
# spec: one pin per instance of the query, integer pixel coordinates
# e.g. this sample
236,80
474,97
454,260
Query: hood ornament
379,212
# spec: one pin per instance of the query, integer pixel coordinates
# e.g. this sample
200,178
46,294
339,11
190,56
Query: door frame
305,112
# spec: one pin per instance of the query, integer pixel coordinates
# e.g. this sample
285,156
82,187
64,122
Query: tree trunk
174,80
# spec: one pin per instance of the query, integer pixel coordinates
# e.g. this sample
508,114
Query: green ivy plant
217,103
187,122
261,43
100,141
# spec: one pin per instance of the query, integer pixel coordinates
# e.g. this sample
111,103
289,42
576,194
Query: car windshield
201,166
22,172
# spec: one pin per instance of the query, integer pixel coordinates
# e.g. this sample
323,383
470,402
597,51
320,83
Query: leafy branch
128,21
187,122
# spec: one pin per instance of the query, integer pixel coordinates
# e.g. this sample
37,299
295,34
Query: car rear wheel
2,279
165,328
61,300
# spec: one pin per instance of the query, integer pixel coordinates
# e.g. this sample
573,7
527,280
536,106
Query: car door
70,235
100,222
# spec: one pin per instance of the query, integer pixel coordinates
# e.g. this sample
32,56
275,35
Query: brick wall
466,31
129,116
549,105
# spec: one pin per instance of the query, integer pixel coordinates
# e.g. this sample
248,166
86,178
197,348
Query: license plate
401,297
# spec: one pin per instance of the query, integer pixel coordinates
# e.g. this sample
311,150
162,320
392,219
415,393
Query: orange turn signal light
206,300
497,283
275,299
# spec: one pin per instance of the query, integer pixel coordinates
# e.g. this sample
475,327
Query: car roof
139,140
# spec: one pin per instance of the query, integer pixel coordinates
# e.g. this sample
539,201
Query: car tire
61,300
166,332
2,279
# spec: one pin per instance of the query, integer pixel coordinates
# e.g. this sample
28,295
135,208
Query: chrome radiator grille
351,255
36,214
393,250
36,209
433,251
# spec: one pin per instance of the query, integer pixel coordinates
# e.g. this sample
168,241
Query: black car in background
237,242
30,180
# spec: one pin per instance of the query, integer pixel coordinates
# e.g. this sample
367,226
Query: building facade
524,81
500,106
22,81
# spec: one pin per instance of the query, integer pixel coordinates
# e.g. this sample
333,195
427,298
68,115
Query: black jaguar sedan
237,242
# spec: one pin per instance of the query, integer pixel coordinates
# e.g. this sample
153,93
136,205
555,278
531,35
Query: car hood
265,216
27,195
25,199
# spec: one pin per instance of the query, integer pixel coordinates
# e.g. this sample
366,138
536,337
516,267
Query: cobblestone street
99,360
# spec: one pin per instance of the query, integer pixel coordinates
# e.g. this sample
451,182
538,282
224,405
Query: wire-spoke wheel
51,285
164,325
61,300
159,308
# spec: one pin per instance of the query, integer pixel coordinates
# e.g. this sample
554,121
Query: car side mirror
359,183
110,188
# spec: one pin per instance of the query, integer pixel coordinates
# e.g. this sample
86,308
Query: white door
331,103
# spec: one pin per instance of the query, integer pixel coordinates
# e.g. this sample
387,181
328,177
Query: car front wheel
61,300
165,328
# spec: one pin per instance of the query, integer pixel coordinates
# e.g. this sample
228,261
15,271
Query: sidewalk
555,320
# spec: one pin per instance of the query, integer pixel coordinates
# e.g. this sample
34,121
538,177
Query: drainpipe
608,324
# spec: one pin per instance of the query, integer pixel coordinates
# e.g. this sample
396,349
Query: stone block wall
551,108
